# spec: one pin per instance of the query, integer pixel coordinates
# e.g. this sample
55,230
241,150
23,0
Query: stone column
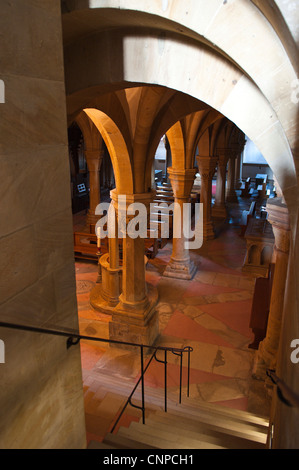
267,354
94,159
230,187
206,168
105,295
219,208
135,318
180,265
239,165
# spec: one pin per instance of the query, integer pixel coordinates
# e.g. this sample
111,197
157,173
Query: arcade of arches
91,105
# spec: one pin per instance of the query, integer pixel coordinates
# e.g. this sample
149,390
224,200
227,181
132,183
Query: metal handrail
177,351
73,338
284,392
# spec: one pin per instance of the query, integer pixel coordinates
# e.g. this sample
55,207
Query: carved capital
182,181
278,216
206,166
93,158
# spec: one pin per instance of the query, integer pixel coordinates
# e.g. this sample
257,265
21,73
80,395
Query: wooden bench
245,188
85,246
151,244
262,188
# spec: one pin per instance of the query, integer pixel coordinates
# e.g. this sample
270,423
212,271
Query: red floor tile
181,326
90,355
236,315
199,288
154,376
209,265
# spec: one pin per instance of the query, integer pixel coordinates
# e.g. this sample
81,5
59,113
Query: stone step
175,428
154,396
227,426
100,445
161,439
218,423
238,415
121,442
187,427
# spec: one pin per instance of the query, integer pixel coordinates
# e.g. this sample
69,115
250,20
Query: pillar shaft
268,349
105,296
94,160
230,187
219,208
134,319
206,168
180,265
239,164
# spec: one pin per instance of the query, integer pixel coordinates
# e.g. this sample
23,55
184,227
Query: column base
208,231
98,301
180,269
238,184
262,362
219,212
232,196
135,323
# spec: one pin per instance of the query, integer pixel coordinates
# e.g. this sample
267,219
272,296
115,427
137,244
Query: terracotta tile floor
210,313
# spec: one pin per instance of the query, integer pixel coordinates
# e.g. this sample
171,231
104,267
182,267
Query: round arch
206,76
116,147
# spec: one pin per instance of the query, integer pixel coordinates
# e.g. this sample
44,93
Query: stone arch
117,148
204,144
253,255
235,92
224,27
177,145
91,134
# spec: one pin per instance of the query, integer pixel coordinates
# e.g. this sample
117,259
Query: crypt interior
166,103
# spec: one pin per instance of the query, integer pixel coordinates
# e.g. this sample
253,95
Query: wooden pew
151,244
85,246
245,188
157,226
262,189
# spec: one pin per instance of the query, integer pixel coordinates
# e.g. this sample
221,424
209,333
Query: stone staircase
191,425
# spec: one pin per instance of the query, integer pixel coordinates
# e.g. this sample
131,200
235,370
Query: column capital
278,216
143,198
93,153
93,158
206,165
223,154
182,181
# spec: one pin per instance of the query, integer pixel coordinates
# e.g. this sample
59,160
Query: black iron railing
73,338
284,392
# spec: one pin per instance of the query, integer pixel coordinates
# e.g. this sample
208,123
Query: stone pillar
267,354
135,318
180,265
219,208
206,168
105,295
230,187
94,159
239,165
